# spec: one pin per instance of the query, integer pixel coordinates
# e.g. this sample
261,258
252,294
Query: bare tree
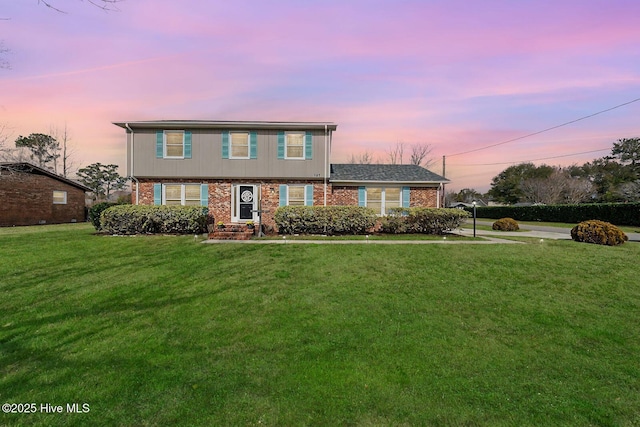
67,165
4,64
577,189
396,153
364,158
420,153
102,4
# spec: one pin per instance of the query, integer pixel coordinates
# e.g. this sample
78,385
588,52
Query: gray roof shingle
392,173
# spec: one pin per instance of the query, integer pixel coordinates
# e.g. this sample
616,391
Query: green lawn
168,331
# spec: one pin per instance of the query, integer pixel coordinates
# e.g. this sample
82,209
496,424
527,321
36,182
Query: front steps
231,232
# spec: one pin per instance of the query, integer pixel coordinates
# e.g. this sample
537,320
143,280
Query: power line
544,130
535,160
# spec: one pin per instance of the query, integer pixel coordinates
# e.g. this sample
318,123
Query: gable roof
410,174
30,168
223,124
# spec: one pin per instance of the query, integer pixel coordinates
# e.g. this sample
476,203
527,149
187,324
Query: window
59,197
383,199
239,145
181,194
296,195
294,145
174,144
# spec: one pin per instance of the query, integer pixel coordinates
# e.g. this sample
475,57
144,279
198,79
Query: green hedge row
324,219
423,220
144,219
615,213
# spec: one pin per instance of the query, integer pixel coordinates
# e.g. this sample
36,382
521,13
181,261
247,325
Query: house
32,195
462,205
238,168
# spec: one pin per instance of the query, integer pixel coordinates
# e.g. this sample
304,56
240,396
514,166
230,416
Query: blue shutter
225,144
405,197
187,145
362,196
283,195
253,145
159,144
308,195
308,146
281,144
157,194
204,195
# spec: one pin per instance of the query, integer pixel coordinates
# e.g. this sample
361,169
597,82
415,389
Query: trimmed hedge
324,219
615,213
423,220
598,232
145,219
96,210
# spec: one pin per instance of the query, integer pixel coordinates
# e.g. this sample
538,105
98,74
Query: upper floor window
294,145
59,197
239,145
173,144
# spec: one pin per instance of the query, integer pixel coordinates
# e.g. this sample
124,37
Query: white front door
244,200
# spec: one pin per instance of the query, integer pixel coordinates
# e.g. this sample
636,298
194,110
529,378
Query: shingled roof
384,173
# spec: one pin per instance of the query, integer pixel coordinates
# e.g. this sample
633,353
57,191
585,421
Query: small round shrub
598,232
506,224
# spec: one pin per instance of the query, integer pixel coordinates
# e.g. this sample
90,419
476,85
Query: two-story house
237,168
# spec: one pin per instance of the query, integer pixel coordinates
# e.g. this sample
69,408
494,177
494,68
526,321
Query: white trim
231,156
164,144
383,198
64,201
183,193
235,203
286,145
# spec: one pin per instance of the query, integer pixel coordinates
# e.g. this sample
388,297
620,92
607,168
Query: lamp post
474,218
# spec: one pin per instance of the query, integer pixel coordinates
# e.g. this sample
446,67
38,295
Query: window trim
383,198
248,156
286,145
164,144
64,198
183,194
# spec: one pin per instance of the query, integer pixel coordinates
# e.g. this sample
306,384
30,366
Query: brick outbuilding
31,195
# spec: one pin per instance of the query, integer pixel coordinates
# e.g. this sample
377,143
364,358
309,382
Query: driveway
538,231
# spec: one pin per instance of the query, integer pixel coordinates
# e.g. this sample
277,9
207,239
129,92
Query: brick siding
27,199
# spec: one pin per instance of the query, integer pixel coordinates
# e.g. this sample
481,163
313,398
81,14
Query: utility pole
444,168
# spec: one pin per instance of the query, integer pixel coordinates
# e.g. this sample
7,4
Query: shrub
598,232
423,220
96,210
324,219
144,219
506,224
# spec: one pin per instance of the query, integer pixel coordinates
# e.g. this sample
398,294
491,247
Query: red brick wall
343,196
27,199
423,197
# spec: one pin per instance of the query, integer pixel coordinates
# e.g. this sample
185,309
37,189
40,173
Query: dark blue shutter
225,144
405,197
283,195
281,145
157,194
159,144
362,196
187,145
253,145
308,146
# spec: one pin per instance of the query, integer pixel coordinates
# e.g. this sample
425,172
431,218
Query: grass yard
166,331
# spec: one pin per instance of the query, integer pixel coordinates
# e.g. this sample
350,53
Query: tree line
612,178
53,153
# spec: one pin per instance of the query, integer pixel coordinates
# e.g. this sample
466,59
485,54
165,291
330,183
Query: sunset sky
457,74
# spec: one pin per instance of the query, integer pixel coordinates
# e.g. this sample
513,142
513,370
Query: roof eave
210,124
360,181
